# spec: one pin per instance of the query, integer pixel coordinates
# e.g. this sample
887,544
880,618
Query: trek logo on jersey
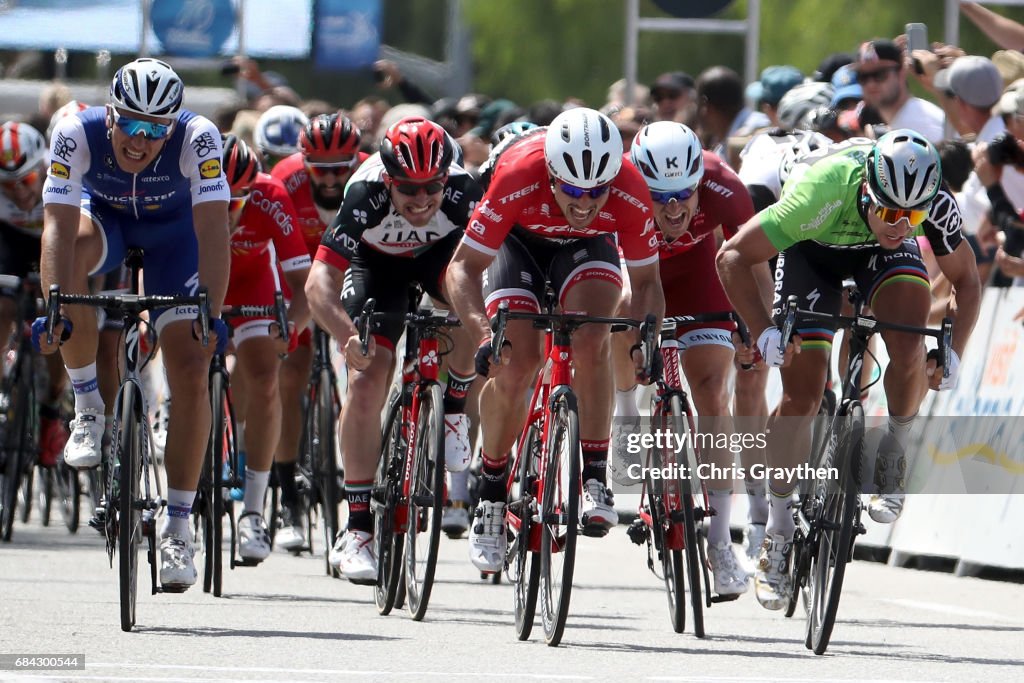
59,170
520,193
210,168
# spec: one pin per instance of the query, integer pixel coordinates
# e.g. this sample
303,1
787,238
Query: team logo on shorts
59,170
210,168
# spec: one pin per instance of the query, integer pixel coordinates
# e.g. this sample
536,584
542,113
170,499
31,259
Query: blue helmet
511,130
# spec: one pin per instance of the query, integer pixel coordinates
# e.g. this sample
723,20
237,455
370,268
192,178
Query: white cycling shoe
84,448
487,540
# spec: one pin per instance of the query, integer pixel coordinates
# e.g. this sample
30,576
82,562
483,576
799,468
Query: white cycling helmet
805,97
147,86
904,170
583,148
22,150
277,130
804,142
668,155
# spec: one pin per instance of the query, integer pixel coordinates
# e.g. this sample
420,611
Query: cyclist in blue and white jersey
141,172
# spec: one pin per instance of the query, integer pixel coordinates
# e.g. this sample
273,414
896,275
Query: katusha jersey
268,223
520,194
186,173
367,218
312,220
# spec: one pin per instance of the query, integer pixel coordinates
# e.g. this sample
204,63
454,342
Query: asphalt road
286,621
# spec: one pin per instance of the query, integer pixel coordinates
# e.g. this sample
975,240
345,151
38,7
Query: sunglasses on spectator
413,189
147,129
27,180
893,216
877,76
322,169
237,203
577,192
679,195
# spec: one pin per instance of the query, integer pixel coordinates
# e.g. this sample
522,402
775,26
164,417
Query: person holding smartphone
882,69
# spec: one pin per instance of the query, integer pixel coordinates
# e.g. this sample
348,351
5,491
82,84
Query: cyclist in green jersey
852,212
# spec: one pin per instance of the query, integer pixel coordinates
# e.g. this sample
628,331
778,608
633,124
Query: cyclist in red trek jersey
557,201
695,193
265,245
315,179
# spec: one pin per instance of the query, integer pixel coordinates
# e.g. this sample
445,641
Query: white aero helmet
22,149
277,130
804,142
668,155
801,99
583,148
147,86
903,170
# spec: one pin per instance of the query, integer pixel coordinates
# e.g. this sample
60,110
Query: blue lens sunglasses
577,192
148,129
666,197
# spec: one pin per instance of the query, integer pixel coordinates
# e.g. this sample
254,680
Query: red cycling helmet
330,134
416,150
240,163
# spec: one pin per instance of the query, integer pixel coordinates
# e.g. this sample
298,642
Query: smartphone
229,68
917,37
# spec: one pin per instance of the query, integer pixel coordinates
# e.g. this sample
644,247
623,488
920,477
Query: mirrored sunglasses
147,129
413,189
679,195
322,169
577,192
893,216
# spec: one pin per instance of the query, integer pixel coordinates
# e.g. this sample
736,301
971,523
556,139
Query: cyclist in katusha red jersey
556,203
695,193
264,245
315,178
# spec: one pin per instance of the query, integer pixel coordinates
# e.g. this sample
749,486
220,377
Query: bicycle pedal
172,588
725,598
247,562
593,530
637,532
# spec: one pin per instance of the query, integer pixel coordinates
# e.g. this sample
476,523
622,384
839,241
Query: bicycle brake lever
52,311
744,333
789,324
500,322
364,325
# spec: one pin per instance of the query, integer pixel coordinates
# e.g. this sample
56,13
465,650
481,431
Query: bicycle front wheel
221,437
663,536
560,517
325,464
426,501
129,470
384,498
69,489
523,565
836,521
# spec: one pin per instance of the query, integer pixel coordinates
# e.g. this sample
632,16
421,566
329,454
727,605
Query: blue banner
192,28
346,34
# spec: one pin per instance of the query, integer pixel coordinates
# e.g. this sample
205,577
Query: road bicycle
828,515
672,509
133,495
544,484
408,493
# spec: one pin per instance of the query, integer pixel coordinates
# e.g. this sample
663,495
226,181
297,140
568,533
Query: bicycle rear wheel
69,490
692,541
560,517
16,445
523,565
325,464
836,521
129,470
426,501
384,497
671,560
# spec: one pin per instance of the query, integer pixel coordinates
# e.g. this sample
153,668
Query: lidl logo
59,170
210,168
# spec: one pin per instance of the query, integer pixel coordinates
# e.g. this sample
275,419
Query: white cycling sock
625,403
757,500
87,388
255,490
780,513
718,529
179,509
458,491
900,428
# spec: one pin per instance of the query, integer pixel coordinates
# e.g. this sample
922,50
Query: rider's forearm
744,291
322,294
214,263
298,309
648,297
60,228
963,307
465,289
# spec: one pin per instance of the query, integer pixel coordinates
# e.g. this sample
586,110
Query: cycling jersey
367,220
520,194
267,224
824,204
151,210
723,201
312,220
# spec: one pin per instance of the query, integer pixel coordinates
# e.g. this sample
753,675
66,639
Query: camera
1004,150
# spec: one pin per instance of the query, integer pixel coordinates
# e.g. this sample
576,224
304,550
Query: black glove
485,355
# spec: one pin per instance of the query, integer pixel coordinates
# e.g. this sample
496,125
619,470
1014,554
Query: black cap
674,82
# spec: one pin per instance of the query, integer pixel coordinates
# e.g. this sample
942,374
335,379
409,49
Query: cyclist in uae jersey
22,172
556,203
315,179
141,172
850,214
403,214
695,193
265,245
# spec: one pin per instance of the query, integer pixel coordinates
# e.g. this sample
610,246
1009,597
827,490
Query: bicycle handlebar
866,323
363,326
